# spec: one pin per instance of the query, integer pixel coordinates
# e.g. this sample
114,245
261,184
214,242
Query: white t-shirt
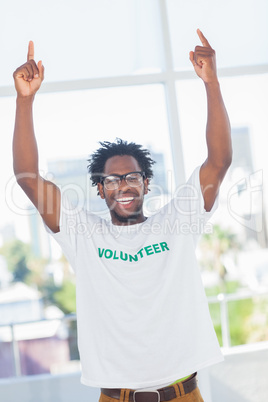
142,313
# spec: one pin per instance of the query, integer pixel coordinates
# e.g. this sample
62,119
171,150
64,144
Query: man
143,322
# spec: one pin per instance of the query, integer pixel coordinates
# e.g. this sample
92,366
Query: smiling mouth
125,200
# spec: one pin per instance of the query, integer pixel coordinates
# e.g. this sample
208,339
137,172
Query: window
122,69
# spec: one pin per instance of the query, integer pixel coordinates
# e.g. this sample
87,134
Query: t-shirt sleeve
66,237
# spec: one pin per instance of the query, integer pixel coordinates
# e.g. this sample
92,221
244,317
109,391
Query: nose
123,184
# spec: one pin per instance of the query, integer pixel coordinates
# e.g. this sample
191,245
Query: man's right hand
29,76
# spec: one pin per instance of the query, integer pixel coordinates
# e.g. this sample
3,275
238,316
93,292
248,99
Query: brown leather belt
162,394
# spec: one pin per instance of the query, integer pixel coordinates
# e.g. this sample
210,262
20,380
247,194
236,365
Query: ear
100,189
146,186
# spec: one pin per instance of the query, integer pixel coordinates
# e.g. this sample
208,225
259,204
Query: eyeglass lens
132,179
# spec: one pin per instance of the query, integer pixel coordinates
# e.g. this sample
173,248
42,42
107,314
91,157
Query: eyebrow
117,174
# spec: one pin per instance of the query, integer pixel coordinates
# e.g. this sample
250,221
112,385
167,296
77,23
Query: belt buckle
140,399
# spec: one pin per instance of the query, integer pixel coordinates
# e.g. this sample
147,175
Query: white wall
47,388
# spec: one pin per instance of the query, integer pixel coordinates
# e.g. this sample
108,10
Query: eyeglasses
113,182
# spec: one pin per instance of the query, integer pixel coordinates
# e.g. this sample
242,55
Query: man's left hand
204,60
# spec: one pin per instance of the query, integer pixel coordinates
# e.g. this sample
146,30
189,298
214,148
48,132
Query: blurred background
121,68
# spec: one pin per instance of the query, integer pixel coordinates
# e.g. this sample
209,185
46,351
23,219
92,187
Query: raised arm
44,194
218,131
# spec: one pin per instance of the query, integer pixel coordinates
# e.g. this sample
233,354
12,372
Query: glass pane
81,39
214,309
7,366
240,315
39,347
247,319
246,102
47,346
237,30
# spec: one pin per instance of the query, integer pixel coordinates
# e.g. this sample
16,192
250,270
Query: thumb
191,57
41,69
194,63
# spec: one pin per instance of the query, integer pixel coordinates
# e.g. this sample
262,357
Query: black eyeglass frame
121,177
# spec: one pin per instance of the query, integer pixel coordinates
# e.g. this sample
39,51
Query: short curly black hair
120,147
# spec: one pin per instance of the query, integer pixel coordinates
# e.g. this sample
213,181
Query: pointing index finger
30,54
203,39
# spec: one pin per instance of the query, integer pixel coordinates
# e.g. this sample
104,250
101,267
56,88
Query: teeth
129,199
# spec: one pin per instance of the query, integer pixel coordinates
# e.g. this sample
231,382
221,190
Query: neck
128,220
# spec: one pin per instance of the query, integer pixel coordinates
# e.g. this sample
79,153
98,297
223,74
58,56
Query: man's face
125,203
